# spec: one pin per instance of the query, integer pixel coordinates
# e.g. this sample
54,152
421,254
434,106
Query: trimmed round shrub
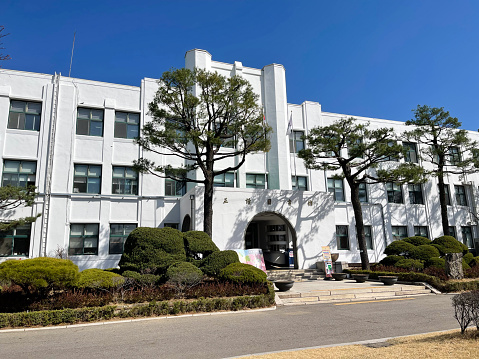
424,252
242,273
399,248
408,263
465,265
143,279
390,260
468,258
97,278
41,273
198,244
417,240
436,262
184,273
152,250
215,262
448,244
474,261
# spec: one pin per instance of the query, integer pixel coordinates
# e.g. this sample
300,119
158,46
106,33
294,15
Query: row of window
25,115
395,192
398,232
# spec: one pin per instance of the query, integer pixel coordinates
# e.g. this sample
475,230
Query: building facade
74,139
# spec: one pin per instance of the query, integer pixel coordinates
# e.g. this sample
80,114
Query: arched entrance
186,226
273,233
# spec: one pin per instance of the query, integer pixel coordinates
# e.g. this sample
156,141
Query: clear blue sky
371,58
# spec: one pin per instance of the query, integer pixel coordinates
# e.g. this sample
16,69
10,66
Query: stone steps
297,275
352,294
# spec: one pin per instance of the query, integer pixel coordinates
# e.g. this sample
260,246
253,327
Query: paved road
220,336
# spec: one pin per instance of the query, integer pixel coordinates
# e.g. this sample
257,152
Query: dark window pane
6,245
120,130
96,128
82,127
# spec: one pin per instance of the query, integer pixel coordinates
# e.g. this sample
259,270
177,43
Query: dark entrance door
251,237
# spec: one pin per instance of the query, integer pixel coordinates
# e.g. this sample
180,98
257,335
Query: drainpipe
192,212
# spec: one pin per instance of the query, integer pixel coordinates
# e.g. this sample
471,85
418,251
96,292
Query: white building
73,139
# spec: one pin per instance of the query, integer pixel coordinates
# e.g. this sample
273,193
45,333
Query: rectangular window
335,186
19,173
394,191
296,142
461,199
399,232
415,194
89,122
452,231
224,180
87,179
421,231
390,158
125,181
411,152
467,236
15,242
368,235
342,237
363,193
127,125
174,188
118,235
255,180
448,195
171,225
299,183
83,239
454,155
25,115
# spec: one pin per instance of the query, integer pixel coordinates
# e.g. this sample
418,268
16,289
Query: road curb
136,320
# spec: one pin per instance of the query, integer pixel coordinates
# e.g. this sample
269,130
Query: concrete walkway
327,291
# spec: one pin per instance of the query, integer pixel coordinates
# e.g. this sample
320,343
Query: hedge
72,316
417,240
97,278
424,252
214,263
242,273
400,248
198,244
449,244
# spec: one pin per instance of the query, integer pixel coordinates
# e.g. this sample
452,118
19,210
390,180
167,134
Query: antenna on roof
71,59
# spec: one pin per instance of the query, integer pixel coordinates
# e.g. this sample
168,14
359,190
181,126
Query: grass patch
450,344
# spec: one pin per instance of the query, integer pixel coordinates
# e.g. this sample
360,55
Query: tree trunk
358,217
442,202
208,208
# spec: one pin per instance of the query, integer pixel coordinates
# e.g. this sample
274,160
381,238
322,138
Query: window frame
411,155
393,193
460,195
333,189
368,236
28,182
342,236
255,184
454,155
222,182
84,236
37,116
127,124
295,137
14,236
120,239
415,194
87,177
418,231
453,230
178,191
90,119
467,238
363,188
398,230
295,186
134,189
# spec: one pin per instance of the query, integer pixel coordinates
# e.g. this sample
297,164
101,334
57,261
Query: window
467,236
399,232
118,235
460,195
421,231
452,231
299,182
335,186
87,179
224,180
415,194
127,125
390,158
19,173
83,239
363,193
448,195
454,156
171,225
411,152
296,143
394,191
25,115
174,187
342,237
368,237
125,181
15,242
90,122
255,180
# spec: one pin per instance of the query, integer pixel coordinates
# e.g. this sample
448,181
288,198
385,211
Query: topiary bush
468,258
152,250
411,264
242,273
465,265
184,275
474,262
448,244
424,252
390,260
198,244
436,262
143,280
399,248
417,240
215,262
39,274
97,278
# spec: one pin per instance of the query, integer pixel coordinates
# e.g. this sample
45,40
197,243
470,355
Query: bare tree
2,56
